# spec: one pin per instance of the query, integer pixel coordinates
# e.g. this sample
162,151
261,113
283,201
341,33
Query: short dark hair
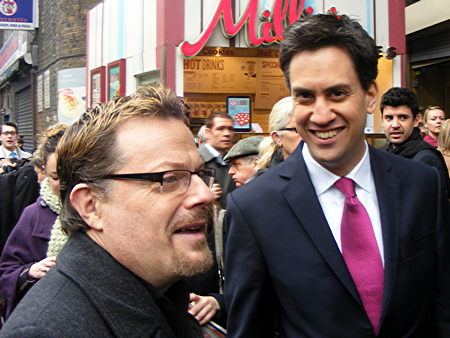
328,30
11,124
209,121
398,96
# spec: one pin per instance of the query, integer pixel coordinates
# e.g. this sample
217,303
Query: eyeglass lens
177,181
12,133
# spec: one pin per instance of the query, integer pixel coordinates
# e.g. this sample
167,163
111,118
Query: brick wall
61,40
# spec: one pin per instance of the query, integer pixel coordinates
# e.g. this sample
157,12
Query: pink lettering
270,30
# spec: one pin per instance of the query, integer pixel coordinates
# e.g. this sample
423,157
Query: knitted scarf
58,237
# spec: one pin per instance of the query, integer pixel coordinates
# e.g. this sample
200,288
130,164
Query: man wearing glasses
9,152
137,218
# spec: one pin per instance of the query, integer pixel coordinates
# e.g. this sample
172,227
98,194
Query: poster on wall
206,74
116,79
97,93
238,107
40,98
47,89
271,86
71,94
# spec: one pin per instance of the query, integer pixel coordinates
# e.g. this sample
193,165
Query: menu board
271,86
220,75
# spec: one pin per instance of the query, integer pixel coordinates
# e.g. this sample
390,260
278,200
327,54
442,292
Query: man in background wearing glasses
136,203
9,152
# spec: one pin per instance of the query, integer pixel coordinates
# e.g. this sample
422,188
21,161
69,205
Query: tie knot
346,186
12,154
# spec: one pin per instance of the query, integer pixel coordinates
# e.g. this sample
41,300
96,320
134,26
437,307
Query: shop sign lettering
284,12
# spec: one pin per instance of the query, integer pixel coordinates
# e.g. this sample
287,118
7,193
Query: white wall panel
382,23
217,38
192,19
95,37
426,13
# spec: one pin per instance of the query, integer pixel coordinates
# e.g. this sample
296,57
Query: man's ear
86,202
372,97
255,161
417,120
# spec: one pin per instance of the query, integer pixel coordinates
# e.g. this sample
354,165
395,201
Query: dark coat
207,284
18,189
89,294
420,151
281,257
221,177
27,244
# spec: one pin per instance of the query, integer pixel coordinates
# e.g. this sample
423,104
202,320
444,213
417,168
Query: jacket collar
299,193
131,307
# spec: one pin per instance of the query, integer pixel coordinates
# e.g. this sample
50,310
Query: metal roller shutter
430,47
24,116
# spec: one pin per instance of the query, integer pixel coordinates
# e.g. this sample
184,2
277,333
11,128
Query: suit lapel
301,197
388,194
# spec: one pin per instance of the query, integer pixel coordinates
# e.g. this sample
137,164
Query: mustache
203,213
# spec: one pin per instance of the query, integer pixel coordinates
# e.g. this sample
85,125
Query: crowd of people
137,230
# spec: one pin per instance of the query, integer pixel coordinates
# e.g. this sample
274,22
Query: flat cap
245,147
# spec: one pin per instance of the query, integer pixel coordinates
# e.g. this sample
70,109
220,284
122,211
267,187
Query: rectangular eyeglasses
171,181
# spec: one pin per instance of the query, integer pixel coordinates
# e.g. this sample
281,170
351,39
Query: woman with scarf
32,246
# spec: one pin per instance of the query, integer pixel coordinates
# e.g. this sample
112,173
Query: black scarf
411,146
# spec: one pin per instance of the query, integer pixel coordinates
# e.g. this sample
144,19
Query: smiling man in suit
340,240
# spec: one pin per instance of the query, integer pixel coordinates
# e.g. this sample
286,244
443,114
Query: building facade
428,41
219,53
43,70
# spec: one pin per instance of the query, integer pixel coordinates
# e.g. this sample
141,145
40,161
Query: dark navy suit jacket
282,260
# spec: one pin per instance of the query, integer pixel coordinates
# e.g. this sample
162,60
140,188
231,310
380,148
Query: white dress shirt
332,200
218,156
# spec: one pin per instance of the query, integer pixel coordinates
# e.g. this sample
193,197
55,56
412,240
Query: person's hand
216,190
203,307
39,269
7,162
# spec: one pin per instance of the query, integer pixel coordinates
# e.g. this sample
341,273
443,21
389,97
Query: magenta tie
361,253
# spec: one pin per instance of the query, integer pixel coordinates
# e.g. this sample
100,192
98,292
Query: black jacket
89,294
420,151
18,189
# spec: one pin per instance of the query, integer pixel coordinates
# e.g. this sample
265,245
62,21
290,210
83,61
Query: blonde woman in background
433,118
283,137
444,143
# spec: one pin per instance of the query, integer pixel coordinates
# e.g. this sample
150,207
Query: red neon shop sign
270,30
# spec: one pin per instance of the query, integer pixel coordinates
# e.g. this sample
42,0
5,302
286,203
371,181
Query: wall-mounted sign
116,78
97,85
71,94
270,30
219,75
17,14
271,85
13,49
47,89
39,96
238,107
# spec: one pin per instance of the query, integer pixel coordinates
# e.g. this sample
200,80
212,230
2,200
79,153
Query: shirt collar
323,179
218,156
6,152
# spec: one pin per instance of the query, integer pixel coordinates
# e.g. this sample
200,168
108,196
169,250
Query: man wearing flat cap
243,157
